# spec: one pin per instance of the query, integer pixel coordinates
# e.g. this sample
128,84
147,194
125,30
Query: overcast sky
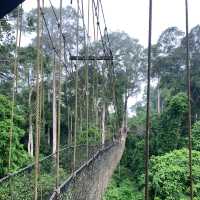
131,16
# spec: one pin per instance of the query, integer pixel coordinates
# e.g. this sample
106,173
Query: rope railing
23,180
63,191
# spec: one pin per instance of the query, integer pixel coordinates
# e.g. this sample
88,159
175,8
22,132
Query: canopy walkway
71,69
87,181
81,168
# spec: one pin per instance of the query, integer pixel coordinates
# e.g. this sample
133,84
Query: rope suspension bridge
80,165
71,166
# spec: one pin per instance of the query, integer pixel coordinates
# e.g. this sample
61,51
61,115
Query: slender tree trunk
158,98
30,135
68,126
71,130
54,111
125,114
30,131
96,113
48,125
103,123
81,119
48,136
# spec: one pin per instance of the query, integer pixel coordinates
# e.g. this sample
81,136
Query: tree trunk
125,115
103,123
30,132
68,126
96,113
48,136
81,120
48,125
30,135
71,129
54,112
158,98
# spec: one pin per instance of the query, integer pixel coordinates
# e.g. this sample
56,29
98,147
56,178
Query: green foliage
171,132
168,132
124,191
93,136
169,175
18,155
122,188
133,158
21,190
196,136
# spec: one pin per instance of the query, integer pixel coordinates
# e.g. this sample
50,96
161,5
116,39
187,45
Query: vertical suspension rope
76,85
95,69
97,11
86,80
42,71
14,89
13,92
189,101
37,131
93,20
19,41
88,17
54,105
59,99
148,105
41,85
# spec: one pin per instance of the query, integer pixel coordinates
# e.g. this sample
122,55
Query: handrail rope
30,166
189,100
148,105
37,128
80,169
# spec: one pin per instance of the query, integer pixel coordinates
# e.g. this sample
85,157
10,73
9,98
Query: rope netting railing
90,180
67,189
22,181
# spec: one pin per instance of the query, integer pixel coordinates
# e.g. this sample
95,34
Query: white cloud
131,16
